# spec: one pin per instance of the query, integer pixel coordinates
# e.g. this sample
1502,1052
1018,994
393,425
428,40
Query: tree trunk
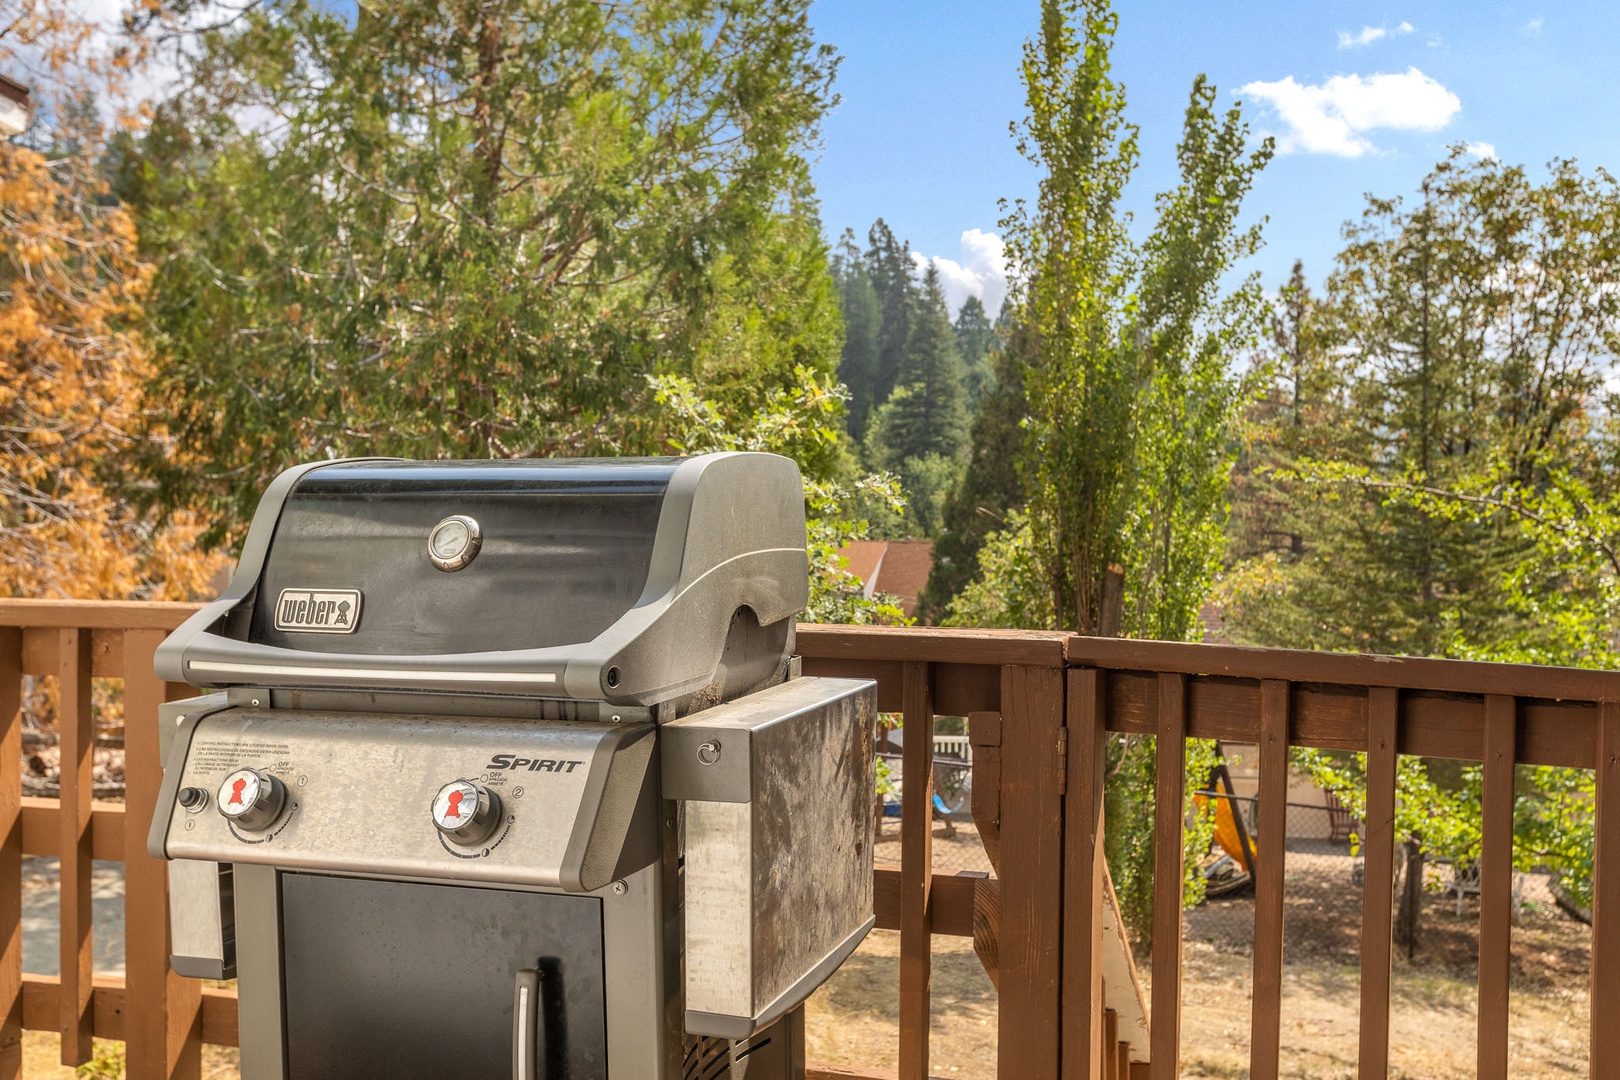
1409,917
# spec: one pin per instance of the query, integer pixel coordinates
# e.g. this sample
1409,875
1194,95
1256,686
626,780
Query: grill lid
599,579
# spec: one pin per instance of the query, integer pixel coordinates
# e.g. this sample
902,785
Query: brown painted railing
1041,707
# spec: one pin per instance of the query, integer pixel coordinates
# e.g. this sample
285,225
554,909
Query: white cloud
1333,118
982,271
1370,34
1484,150
1533,27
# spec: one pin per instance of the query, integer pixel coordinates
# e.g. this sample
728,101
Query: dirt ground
1434,1003
42,1060
854,1019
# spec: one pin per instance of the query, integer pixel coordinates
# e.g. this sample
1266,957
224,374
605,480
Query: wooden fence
1041,707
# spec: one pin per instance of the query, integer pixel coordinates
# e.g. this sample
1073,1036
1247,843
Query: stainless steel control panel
500,801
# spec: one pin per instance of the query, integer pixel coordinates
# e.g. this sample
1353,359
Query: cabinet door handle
525,1024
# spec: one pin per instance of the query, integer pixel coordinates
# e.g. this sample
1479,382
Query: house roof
12,90
897,567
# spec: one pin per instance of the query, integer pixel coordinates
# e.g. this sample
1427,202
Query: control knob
465,812
251,798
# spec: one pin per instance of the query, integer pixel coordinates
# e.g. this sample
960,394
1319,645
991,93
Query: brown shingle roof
897,567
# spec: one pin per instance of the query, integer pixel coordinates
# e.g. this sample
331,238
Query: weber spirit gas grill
511,775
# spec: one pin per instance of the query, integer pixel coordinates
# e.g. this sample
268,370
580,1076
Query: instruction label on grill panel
363,788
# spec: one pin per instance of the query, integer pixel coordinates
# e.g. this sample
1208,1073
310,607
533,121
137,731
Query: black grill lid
565,551
599,579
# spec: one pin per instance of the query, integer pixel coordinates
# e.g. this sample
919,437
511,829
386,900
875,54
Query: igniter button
465,812
192,799
252,798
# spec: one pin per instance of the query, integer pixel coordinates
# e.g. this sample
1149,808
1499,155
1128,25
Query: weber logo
318,611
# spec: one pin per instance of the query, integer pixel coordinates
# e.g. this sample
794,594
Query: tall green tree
445,229
1445,475
888,261
1461,346
1132,403
925,415
863,327
989,493
974,335
920,432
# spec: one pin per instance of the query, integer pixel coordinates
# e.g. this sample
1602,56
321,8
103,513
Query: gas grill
509,771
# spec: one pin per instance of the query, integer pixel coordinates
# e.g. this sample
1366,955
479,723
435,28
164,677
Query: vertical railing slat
1606,899
1265,1024
916,869
76,737
11,1014
162,1011
1169,858
1109,1059
1378,880
1086,1041
1030,990
1496,885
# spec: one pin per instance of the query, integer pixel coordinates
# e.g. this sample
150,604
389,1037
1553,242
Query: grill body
508,772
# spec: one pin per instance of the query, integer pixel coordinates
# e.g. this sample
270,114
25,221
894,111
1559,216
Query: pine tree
990,489
974,334
857,366
926,416
888,262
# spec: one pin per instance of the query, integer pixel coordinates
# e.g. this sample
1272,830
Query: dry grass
1432,1022
42,1060
854,1019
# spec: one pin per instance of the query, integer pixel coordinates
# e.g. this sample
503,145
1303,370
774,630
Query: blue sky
1363,97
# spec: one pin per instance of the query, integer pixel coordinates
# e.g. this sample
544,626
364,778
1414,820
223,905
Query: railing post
1378,878
1169,802
1032,873
916,869
1087,1041
1265,1025
76,735
161,1010
1496,886
1606,899
11,1018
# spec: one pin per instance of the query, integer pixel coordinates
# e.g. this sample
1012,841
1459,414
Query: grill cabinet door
387,980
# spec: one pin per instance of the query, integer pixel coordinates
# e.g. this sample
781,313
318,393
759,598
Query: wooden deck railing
1041,707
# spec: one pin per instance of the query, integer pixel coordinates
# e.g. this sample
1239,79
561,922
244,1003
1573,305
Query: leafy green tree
476,229
1461,347
1132,406
1445,473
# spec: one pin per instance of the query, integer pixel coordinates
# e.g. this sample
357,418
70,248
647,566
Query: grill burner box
509,772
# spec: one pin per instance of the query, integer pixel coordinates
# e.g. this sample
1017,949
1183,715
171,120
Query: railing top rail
1030,648
95,614
1356,669
1034,648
